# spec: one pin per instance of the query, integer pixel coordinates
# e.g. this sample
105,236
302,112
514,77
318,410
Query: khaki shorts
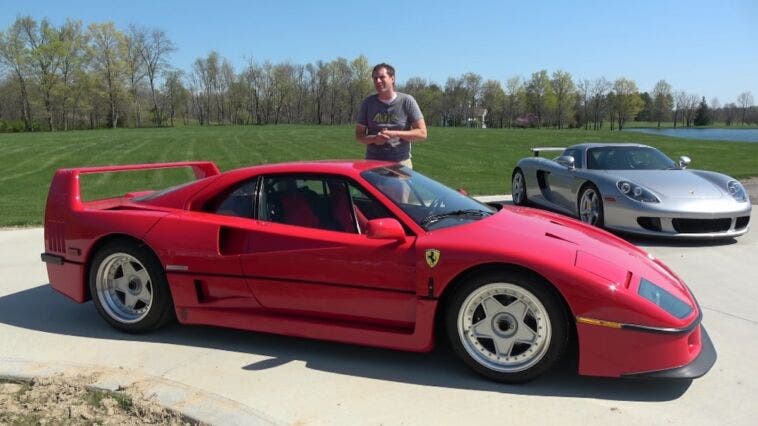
407,163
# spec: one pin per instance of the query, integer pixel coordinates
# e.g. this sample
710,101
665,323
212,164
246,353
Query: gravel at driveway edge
192,403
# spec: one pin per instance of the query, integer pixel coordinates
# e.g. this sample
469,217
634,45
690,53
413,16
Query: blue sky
709,48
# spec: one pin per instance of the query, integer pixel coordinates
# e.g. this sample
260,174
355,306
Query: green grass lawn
480,160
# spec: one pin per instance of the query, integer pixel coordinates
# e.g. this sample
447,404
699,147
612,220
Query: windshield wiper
468,212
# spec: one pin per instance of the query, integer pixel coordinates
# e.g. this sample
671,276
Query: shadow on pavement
42,309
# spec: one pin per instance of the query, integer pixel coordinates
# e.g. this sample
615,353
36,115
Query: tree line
76,77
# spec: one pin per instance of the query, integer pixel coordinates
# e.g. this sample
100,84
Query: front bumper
721,219
627,350
697,368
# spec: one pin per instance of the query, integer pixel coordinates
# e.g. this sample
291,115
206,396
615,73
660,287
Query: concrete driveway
227,376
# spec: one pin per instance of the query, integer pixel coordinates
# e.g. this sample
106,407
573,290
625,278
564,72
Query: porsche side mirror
566,160
386,229
684,161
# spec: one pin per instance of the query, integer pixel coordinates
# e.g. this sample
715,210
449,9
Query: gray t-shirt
397,115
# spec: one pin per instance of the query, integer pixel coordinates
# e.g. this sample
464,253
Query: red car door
304,269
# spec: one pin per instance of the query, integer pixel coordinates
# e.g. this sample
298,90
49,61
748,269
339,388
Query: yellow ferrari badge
432,257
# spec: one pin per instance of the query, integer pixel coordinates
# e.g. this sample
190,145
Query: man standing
389,121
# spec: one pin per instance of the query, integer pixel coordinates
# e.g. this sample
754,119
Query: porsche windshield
429,203
628,158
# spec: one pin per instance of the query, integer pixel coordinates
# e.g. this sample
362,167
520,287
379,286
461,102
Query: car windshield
628,158
429,203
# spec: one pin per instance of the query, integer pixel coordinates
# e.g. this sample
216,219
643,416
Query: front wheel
590,206
129,288
509,327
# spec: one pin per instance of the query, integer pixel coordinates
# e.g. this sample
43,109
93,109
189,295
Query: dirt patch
751,184
62,399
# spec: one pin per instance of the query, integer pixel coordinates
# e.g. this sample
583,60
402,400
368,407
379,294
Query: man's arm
416,133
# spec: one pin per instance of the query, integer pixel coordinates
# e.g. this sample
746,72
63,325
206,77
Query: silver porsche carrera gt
633,188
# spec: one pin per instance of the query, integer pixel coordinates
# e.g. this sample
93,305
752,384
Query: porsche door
563,182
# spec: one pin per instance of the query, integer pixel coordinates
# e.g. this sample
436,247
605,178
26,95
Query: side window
366,206
237,202
322,202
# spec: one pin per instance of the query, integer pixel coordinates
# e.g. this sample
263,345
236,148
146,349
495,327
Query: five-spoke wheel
509,327
590,206
129,288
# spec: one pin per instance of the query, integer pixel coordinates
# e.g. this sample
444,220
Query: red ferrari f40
373,253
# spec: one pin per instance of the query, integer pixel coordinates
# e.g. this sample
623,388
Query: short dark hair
390,69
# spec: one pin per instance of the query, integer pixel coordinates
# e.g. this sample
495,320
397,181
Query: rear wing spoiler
536,151
65,190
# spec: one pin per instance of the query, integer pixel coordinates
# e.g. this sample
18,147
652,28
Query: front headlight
636,192
737,191
665,300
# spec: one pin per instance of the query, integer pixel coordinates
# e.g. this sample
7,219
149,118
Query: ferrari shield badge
432,257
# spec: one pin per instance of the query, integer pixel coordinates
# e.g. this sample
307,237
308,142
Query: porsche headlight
737,191
636,192
665,300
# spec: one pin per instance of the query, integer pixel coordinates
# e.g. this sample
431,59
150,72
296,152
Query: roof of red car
316,166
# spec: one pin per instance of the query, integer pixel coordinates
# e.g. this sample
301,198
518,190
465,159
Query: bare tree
583,91
690,107
716,109
73,61
745,101
730,113
515,98
680,102
154,50
134,67
599,95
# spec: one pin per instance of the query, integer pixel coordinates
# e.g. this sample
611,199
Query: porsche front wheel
591,206
129,288
509,327
518,188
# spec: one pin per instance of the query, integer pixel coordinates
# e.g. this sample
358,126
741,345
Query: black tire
506,356
589,205
129,288
518,188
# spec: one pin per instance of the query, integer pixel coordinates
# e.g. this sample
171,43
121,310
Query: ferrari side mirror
386,229
684,161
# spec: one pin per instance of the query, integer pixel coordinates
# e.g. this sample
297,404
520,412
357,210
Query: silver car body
691,203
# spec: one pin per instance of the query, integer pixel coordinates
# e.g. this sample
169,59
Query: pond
734,135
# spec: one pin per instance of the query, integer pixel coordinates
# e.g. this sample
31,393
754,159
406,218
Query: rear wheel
509,327
518,188
129,288
590,206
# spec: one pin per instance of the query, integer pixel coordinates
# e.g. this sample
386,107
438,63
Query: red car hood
568,248
528,223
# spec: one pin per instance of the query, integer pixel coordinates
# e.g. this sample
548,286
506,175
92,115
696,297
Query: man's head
383,77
